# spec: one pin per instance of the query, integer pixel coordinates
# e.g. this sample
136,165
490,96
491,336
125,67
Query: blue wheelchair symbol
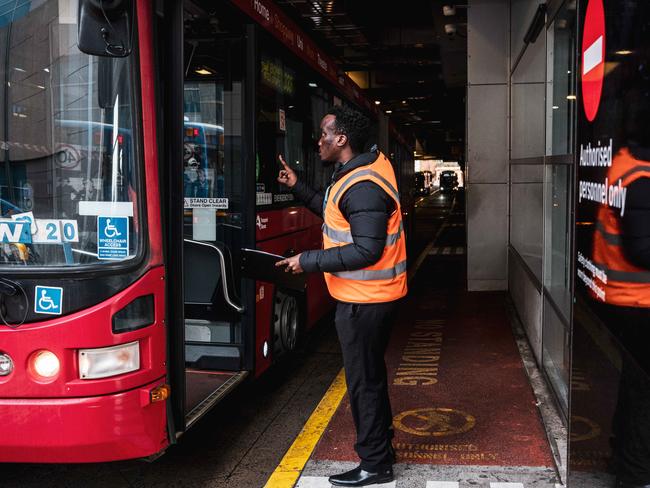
113,237
113,227
48,299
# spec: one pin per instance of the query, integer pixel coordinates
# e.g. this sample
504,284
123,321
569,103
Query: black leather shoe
361,477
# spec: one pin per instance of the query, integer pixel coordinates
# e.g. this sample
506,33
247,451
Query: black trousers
364,331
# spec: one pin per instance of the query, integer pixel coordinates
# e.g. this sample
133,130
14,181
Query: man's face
330,143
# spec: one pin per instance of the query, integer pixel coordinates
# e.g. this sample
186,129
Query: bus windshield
69,176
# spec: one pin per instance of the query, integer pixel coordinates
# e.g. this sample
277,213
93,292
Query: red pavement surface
477,408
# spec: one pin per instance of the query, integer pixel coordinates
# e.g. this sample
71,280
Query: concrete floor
240,443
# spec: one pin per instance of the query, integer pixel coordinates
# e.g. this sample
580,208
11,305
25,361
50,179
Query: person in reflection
200,186
621,248
364,264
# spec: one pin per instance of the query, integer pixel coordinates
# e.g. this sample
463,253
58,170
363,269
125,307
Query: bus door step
204,389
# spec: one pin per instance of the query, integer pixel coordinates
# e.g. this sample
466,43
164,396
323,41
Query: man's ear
341,140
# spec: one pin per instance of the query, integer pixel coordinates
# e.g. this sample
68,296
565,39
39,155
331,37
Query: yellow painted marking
288,471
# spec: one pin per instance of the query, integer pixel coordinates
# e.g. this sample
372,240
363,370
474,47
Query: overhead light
555,107
47,70
312,84
420,81
389,111
404,102
202,71
570,97
624,52
377,102
419,44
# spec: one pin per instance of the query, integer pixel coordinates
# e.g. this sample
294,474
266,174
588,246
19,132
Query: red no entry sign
593,57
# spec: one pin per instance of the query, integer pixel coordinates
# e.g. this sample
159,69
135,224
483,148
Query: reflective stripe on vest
345,236
625,276
373,274
613,239
361,174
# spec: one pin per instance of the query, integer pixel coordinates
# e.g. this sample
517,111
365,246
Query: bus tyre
287,313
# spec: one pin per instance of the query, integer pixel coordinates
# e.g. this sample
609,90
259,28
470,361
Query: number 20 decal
56,231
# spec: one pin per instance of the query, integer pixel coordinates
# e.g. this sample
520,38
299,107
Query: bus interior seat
210,323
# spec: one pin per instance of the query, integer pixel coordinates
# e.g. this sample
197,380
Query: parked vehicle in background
423,182
448,181
449,166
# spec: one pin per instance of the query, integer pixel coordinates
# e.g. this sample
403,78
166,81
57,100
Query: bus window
282,129
68,162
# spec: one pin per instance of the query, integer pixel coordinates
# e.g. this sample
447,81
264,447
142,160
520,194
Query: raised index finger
283,162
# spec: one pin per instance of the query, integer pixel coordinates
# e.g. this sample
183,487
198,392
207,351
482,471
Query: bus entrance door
214,210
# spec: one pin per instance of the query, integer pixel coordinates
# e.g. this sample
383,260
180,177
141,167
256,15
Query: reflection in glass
560,83
560,139
557,236
610,395
66,142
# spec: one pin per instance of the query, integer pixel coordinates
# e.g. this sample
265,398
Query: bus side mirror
105,27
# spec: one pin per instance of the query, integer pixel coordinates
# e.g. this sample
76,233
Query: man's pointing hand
287,176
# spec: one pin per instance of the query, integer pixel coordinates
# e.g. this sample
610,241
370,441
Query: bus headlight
44,364
109,361
6,365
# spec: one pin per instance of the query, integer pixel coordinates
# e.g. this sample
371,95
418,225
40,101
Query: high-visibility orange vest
385,280
627,284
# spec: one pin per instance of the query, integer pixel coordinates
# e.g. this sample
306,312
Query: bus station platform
459,372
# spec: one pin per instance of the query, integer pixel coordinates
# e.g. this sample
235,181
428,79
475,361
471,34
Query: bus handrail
222,262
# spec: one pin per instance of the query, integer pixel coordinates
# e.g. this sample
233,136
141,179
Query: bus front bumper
80,430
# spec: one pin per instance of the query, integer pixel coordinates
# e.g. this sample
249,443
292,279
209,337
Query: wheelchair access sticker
112,237
48,299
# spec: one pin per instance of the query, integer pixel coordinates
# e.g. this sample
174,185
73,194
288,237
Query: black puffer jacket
366,206
636,220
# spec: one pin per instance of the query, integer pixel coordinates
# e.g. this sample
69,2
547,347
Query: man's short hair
352,124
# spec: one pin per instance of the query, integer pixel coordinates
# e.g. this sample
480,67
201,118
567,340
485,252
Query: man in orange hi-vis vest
621,249
364,263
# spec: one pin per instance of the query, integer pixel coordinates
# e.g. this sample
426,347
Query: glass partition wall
558,197
542,141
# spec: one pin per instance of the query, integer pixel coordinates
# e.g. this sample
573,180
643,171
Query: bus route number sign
112,238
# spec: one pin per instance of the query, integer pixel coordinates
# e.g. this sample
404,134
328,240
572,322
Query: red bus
139,159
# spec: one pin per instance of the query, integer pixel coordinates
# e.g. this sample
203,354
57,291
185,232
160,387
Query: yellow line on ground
293,462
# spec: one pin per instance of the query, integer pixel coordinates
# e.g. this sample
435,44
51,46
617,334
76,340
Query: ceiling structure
409,56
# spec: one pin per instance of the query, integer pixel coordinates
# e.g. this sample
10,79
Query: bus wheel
287,321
